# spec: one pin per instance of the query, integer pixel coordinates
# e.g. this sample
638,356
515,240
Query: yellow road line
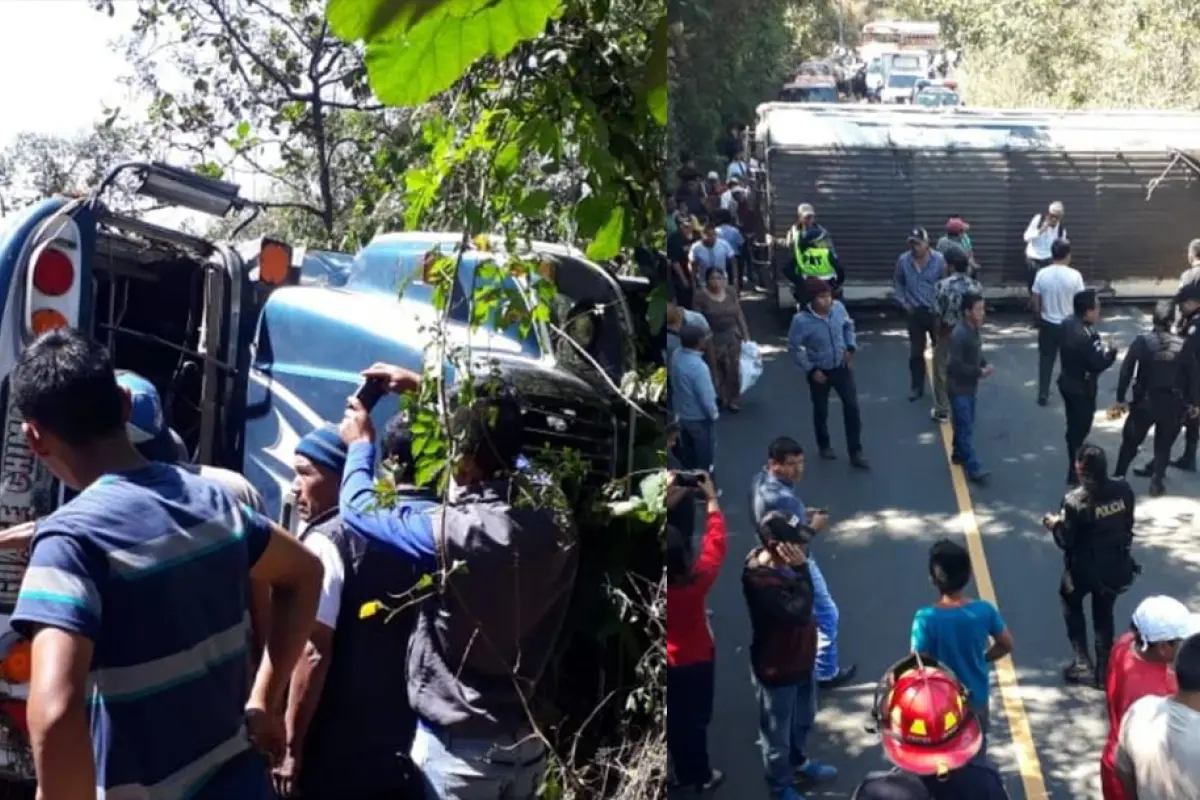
1028,763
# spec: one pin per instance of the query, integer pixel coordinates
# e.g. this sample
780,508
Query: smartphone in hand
370,392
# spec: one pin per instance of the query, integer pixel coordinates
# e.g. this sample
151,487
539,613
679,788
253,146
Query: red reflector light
15,712
53,274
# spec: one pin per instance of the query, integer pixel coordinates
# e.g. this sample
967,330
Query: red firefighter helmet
926,725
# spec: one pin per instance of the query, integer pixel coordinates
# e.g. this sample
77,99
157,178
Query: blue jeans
785,716
495,768
962,417
698,444
825,611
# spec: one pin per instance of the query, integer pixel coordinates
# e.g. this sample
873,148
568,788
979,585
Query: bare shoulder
234,482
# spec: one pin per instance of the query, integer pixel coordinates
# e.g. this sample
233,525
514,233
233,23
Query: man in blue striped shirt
918,271
136,603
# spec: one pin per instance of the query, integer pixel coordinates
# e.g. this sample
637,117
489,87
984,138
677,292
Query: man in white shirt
1158,751
736,169
331,715
711,252
1053,291
1043,231
733,196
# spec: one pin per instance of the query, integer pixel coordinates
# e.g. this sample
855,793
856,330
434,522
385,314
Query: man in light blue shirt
774,489
821,342
711,252
694,400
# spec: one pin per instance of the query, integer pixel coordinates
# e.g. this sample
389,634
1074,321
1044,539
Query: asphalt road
874,553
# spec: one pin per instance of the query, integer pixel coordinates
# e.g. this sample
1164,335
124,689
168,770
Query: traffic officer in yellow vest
813,255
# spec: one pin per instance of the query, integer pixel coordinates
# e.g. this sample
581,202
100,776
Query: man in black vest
1165,389
1188,303
1083,357
349,723
485,634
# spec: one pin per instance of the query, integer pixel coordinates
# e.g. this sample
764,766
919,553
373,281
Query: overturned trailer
1130,181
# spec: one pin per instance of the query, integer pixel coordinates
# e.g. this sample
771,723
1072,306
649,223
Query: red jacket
1130,678
689,637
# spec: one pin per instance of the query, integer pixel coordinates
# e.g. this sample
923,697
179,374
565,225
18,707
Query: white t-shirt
1159,745
1057,285
705,257
330,604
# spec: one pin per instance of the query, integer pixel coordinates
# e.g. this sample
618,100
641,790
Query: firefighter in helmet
928,731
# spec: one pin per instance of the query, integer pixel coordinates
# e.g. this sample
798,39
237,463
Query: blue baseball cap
146,427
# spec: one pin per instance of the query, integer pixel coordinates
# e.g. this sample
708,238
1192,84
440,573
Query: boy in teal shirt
963,633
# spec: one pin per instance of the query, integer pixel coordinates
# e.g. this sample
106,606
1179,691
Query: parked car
810,89
898,87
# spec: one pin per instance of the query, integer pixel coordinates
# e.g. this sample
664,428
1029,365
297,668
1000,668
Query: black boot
1101,676
1187,461
1081,670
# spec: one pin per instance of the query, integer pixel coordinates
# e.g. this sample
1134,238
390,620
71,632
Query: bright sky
59,67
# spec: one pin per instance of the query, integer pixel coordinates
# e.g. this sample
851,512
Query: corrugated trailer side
873,174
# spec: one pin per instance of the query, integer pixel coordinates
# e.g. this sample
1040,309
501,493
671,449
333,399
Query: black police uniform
1164,388
1189,328
1083,358
1095,534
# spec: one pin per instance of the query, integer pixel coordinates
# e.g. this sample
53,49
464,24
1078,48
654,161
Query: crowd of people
932,707
184,645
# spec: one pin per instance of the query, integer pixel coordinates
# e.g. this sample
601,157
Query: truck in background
875,172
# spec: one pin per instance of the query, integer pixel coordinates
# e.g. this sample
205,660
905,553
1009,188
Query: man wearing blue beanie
345,704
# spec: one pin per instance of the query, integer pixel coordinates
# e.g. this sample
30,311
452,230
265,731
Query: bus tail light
15,712
53,281
47,319
53,274
17,666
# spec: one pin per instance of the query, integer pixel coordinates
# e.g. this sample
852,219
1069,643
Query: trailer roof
796,126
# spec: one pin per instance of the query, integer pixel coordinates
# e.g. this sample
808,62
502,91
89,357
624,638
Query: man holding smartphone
473,700
774,489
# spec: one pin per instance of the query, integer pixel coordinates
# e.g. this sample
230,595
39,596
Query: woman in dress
728,324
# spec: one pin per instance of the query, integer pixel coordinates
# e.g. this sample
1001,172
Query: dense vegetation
1088,54
728,57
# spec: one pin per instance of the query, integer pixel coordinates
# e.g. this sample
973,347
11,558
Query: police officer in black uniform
1094,529
1083,358
1165,390
1188,303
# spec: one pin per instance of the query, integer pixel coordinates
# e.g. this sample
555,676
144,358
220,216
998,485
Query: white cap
1164,619
1056,208
712,176
805,210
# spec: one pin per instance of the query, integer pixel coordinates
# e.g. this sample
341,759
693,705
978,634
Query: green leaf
607,243
533,203
408,70
243,129
656,74
354,20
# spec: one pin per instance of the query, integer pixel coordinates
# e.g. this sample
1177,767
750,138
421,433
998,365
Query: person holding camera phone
474,736
691,653
778,587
